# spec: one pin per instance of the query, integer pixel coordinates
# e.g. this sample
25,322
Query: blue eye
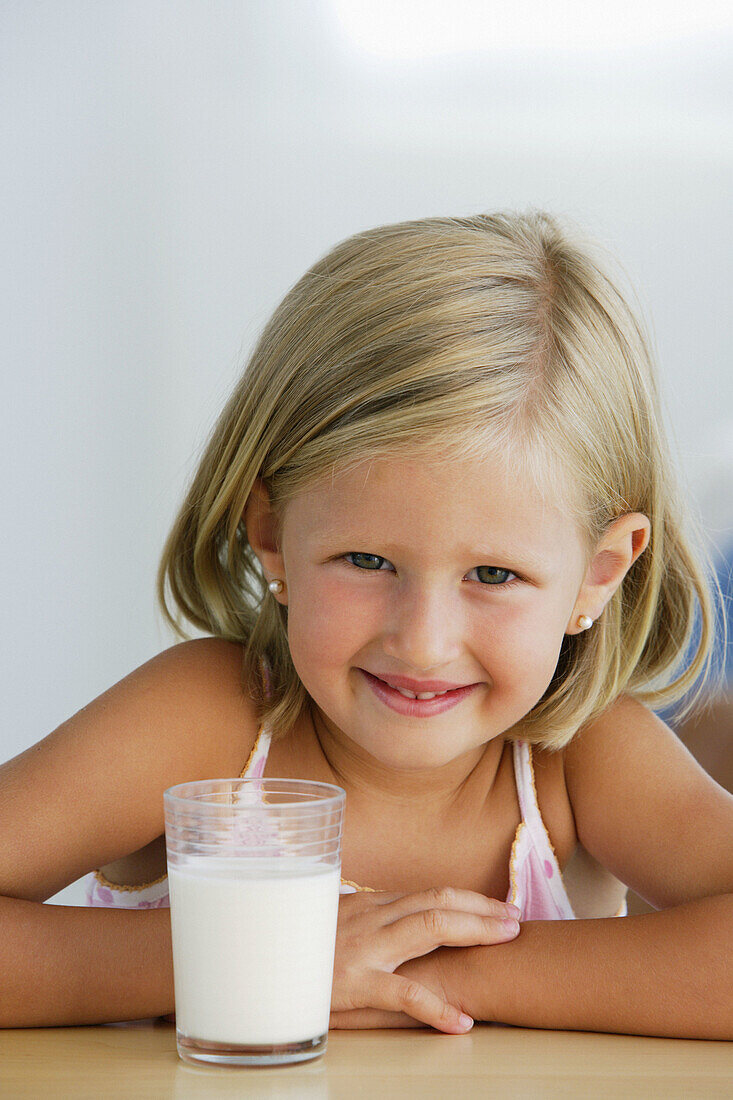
491,574
371,562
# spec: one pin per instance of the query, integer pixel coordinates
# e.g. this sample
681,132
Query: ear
616,551
262,534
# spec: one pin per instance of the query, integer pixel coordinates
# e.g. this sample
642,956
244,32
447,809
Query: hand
427,970
378,932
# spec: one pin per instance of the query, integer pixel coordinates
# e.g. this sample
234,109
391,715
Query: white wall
169,169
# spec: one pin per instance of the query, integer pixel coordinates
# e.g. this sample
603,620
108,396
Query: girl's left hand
425,969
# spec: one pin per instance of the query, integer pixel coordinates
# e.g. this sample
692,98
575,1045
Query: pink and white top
535,881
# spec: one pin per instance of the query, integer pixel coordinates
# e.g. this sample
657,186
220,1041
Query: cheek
523,646
328,622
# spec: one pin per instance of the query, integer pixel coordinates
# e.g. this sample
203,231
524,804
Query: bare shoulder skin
90,794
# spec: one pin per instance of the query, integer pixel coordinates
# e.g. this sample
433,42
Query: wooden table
139,1061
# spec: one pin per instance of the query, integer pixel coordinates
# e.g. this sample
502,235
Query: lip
417,708
417,685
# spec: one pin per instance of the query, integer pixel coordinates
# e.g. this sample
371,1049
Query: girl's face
450,576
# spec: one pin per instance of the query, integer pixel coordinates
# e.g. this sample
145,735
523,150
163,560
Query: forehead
426,499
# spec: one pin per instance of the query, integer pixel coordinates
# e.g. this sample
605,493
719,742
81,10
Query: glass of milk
254,870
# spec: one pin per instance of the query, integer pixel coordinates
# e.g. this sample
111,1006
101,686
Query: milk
253,948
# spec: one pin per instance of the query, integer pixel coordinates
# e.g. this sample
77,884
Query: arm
668,973
70,965
87,795
647,811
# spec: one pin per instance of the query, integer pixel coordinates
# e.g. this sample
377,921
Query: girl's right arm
64,964
88,794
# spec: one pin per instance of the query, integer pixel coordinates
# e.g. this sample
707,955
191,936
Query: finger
422,932
393,993
370,1017
447,897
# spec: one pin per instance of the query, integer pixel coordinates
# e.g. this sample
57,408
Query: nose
424,628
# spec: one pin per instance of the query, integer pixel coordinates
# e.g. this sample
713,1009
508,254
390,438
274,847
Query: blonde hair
495,330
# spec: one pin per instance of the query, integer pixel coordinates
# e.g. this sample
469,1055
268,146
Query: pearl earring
276,587
584,622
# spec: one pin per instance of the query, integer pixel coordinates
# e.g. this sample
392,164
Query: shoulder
626,741
211,662
201,683
645,808
91,791
206,658
626,730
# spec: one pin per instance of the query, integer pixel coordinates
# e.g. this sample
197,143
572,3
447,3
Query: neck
425,791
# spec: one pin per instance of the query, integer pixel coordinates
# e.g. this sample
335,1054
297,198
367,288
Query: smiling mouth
411,689
417,704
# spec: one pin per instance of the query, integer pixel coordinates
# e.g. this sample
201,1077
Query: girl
437,544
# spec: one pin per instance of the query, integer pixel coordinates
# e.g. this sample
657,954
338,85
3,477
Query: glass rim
331,795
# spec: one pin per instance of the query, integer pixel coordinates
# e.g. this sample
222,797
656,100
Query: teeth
420,695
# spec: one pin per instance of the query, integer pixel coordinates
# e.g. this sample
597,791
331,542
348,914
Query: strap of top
529,806
255,766
524,778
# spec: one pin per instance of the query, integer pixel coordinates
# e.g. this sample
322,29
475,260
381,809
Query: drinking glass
254,870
